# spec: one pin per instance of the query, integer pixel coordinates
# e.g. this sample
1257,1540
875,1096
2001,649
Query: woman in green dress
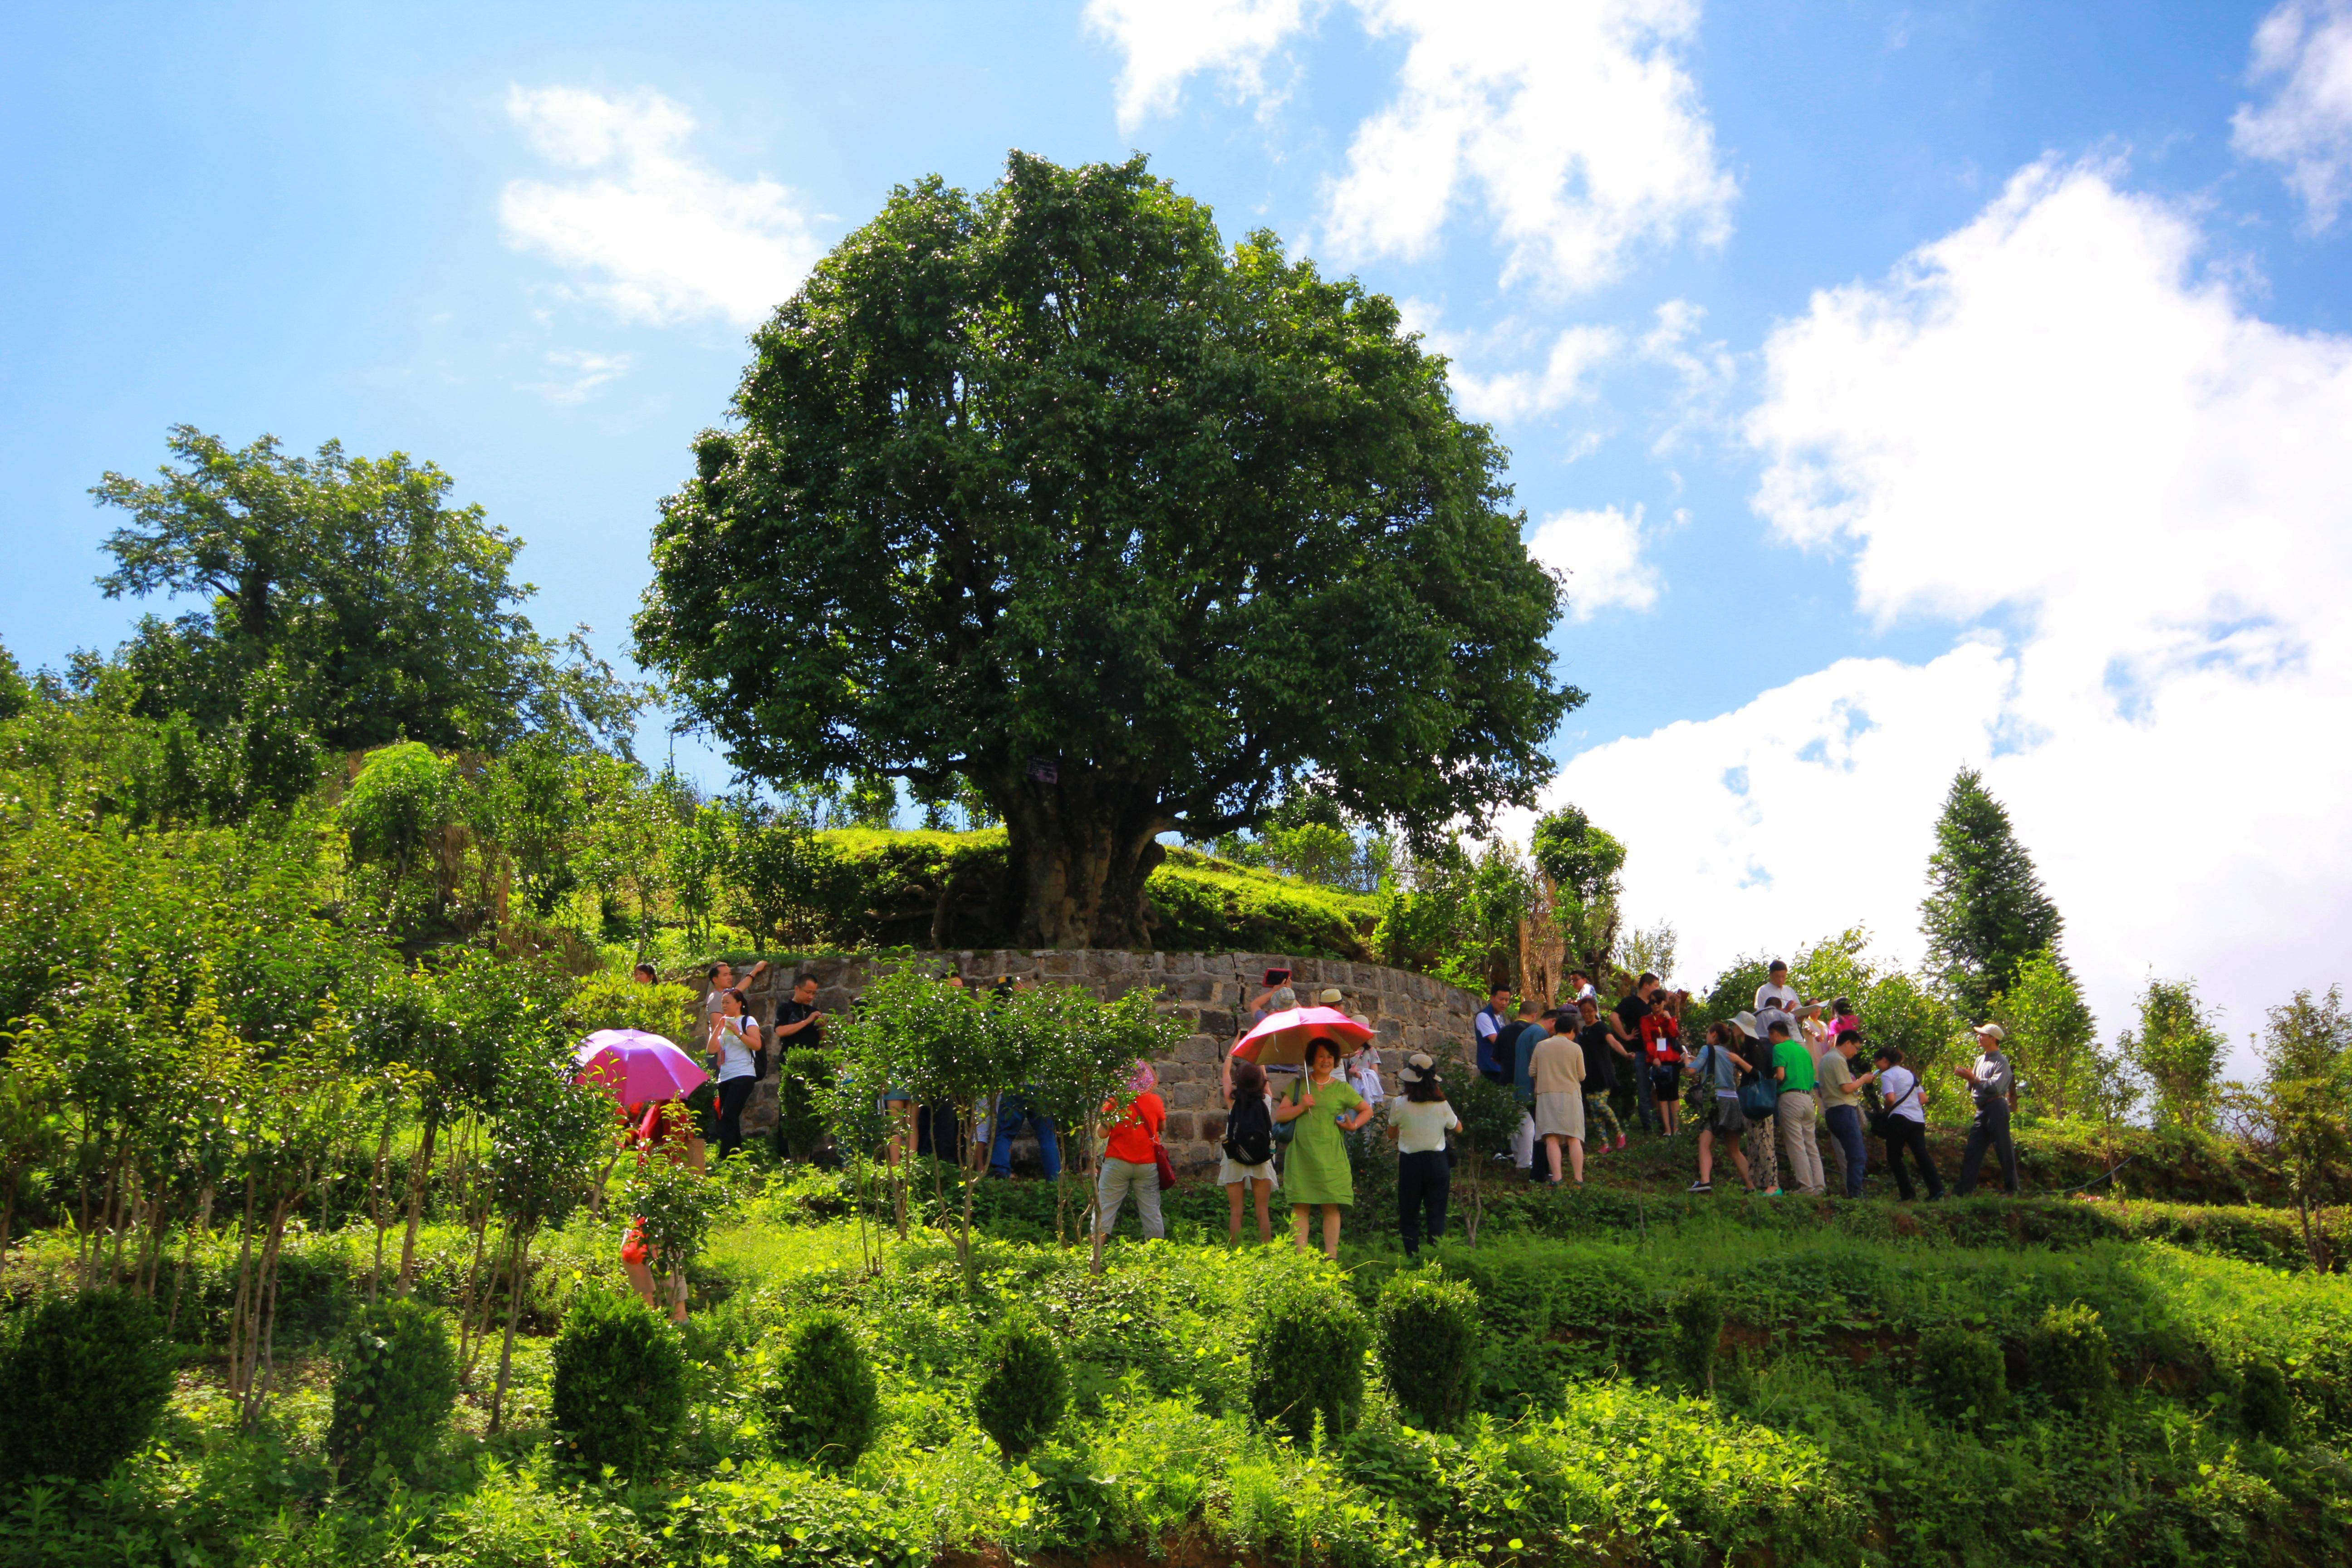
1315,1170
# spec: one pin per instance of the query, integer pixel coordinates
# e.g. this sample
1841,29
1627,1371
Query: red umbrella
635,1068
1283,1036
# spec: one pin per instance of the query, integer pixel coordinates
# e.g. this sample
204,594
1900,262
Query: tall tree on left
379,610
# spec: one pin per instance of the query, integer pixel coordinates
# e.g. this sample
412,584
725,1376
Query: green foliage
82,1384
619,1385
1023,1387
1430,1336
2265,1404
678,1204
785,882
824,1407
1454,916
1376,623
1307,1357
2052,1037
397,806
1696,1341
2179,1049
2304,1108
15,692
2070,1359
800,1085
1963,1375
612,999
393,1394
1985,915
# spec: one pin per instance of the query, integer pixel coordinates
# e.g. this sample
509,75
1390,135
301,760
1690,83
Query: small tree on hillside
546,1136
2304,1109
1490,1115
1985,915
2050,1035
2179,1049
1580,863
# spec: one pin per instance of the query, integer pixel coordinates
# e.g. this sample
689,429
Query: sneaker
1773,1194
1700,1188
1620,1140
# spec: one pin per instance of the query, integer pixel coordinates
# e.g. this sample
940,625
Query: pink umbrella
1282,1037
635,1068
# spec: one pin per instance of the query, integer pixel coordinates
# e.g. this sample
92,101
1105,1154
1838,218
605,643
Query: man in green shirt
1801,1152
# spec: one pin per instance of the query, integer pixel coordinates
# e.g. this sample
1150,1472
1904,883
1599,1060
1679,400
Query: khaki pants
1801,1152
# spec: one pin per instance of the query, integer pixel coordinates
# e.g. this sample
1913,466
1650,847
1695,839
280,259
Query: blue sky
1901,385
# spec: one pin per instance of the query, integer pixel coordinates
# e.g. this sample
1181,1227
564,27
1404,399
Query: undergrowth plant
393,1393
1023,1387
823,1406
620,1385
1429,1340
1307,1357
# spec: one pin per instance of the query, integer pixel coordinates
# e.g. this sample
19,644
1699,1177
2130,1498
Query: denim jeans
1845,1128
1120,1177
1012,1110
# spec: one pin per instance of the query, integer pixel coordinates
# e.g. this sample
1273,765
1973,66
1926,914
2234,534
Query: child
1421,1118
1246,1164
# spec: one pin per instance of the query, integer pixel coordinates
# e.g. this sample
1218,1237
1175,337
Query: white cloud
1167,40
1574,119
1564,378
2305,45
1602,553
662,237
2051,420
588,372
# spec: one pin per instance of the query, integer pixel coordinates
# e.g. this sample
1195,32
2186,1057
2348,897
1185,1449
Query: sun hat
1995,1030
1329,998
1416,1066
1142,1077
1745,1023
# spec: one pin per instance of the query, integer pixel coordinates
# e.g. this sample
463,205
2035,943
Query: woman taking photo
734,1060
1317,1171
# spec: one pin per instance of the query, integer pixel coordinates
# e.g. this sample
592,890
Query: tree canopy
1985,916
348,587
1044,489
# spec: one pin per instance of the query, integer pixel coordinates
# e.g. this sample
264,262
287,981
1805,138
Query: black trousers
1903,1133
733,1095
1423,1183
1988,1130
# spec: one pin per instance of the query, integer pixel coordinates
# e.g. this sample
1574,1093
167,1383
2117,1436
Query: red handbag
1167,1166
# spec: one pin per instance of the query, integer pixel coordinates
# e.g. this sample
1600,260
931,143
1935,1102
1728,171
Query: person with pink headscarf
1130,1158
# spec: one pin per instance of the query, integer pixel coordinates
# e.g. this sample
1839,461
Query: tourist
644,975
1624,1059
1841,1089
1579,986
734,1051
1775,992
1523,1083
1363,1063
798,1022
1487,1031
1506,1040
1421,1118
1812,1031
1792,1069
1759,1102
1994,1082
1130,1162
1903,1124
721,979
1717,1068
1597,1044
1316,1172
1662,1035
1841,1017
1565,1095
1245,1164
1012,1110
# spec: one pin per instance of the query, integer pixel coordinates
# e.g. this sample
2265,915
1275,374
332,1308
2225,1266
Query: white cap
1995,1030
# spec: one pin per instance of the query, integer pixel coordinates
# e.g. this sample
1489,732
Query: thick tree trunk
1081,851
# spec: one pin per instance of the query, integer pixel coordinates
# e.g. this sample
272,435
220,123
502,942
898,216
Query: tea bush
1698,1337
1023,1387
619,1385
393,1396
1307,1357
824,1407
82,1386
2070,1361
1963,1375
1429,1339
2265,1407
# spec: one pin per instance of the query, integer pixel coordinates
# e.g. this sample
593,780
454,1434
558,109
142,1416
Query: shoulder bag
1882,1118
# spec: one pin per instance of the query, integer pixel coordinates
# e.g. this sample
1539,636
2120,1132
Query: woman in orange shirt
1130,1162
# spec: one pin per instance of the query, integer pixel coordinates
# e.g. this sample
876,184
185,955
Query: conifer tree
1985,914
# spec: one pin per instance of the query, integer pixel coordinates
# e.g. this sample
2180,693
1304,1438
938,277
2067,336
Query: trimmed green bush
825,1407
1963,1375
800,1088
1023,1387
393,1396
82,1386
1307,1358
2070,1359
2265,1407
1429,1339
620,1385
1696,1338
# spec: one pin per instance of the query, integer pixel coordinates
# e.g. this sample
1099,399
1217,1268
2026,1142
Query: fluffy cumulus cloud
2051,429
2302,55
1600,554
656,235
1165,41
1566,377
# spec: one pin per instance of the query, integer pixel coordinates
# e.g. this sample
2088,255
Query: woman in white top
734,1047
1899,1093
1420,1119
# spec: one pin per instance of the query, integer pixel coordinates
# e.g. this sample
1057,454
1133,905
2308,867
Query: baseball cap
1995,1030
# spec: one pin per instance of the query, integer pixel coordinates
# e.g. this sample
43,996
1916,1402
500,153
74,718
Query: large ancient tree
1045,488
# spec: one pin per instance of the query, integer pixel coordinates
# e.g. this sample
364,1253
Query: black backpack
1249,1132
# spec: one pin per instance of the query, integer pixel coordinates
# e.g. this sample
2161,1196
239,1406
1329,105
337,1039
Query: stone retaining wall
1210,991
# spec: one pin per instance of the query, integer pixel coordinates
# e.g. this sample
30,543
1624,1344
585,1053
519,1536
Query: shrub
620,1381
2265,1408
825,1407
800,1121
1307,1358
82,1385
393,1394
1024,1388
1428,1333
1963,1375
2070,1359
1697,1337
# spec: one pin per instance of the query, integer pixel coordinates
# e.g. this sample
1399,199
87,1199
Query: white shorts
1228,1172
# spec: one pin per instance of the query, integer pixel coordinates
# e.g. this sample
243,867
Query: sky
1901,387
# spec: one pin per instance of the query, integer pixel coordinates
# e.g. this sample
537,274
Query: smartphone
1275,978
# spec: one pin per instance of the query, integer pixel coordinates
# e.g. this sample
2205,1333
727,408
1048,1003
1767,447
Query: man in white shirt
1775,992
